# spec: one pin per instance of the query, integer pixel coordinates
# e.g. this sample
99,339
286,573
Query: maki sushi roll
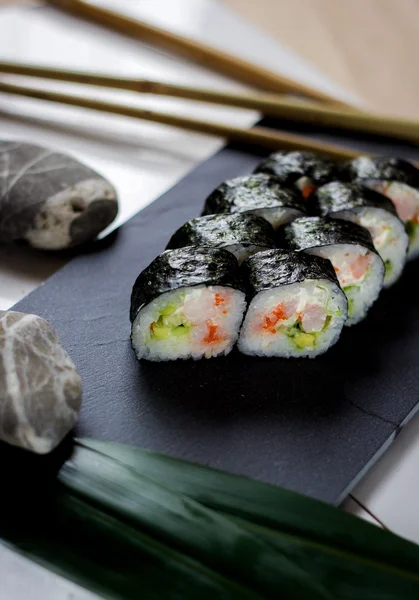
398,180
349,247
296,306
241,234
188,303
375,212
257,194
305,170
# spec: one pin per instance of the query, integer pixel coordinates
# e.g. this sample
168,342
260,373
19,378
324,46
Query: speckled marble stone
40,388
49,200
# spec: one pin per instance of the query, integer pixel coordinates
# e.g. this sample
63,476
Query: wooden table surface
369,46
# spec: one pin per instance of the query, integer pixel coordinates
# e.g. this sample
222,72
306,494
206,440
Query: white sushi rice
388,234
277,216
361,291
406,200
294,336
243,251
193,322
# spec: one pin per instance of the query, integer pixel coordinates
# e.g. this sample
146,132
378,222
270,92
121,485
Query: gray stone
49,200
40,388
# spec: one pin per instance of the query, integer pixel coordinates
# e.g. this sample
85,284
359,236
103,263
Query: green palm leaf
308,532
90,547
186,525
128,523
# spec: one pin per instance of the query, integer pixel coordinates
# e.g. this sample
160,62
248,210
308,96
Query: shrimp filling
198,321
388,235
300,319
360,273
182,316
306,186
406,200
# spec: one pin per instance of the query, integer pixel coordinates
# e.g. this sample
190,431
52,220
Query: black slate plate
311,425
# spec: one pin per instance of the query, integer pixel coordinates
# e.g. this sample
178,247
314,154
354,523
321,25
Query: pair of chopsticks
329,115
258,136
269,104
195,51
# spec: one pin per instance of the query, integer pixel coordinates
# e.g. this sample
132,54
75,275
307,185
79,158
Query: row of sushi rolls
280,260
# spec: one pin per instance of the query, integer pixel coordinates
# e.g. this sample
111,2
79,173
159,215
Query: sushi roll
257,194
296,306
398,180
188,303
305,170
241,234
375,212
349,247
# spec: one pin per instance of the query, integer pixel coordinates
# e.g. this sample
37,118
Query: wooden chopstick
197,52
256,136
269,104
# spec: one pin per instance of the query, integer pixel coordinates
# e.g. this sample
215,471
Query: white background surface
143,160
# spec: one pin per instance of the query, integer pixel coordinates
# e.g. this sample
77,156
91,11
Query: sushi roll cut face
306,170
359,268
297,308
241,234
366,207
399,181
260,195
187,303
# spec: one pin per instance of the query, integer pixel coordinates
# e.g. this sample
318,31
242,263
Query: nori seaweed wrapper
337,196
184,267
315,232
220,231
251,192
380,168
275,268
288,167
